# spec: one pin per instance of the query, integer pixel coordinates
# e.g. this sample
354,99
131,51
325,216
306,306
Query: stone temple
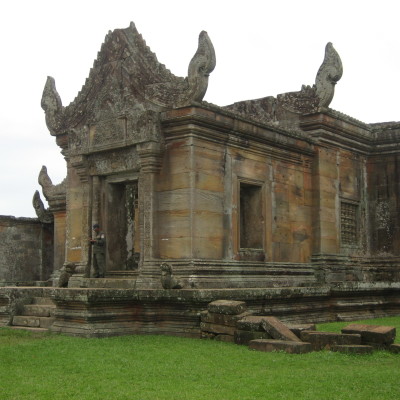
281,202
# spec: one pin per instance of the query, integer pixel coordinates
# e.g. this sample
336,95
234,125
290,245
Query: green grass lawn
45,366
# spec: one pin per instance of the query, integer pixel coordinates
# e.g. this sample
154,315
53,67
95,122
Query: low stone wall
89,312
26,250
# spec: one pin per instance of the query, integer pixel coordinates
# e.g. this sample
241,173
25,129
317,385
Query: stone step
352,349
32,321
28,328
43,301
38,310
270,345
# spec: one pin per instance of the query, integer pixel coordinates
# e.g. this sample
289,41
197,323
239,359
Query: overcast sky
262,47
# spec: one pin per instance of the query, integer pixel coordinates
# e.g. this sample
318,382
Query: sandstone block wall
26,250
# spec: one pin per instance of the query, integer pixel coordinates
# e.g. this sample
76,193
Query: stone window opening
251,228
349,224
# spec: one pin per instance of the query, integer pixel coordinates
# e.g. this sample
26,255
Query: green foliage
44,366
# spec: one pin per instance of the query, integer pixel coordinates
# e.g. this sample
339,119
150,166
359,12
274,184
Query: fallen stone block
244,337
278,330
250,323
325,340
224,338
380,335
227,307
298,328
217,329
269,345
352,349
222,319
395,348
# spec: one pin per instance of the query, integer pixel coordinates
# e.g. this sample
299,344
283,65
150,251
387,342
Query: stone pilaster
150,162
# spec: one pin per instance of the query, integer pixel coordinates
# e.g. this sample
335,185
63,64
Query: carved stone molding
80,164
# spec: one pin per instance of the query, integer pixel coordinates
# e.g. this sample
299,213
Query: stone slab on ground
352,349
231,307
217,329
222,319
395,348
269,345
278,330
250,323
325,340
298,328
372,333
244,337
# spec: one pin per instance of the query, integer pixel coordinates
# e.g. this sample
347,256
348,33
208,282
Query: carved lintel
44,215
329,73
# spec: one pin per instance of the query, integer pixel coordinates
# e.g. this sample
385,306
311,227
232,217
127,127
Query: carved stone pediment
126,80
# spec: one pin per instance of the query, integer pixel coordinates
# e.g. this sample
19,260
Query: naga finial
52,106
200,67
50,191
328,75
45,216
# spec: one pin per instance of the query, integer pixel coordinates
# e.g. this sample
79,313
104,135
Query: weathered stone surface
298,328
39,310
231,307
223,319
278,330
250,323
217,329
352,349
395,348
26,250
270,345
244,337
224,338
324,340
384,335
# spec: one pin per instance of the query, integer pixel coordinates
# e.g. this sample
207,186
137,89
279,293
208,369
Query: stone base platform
100,312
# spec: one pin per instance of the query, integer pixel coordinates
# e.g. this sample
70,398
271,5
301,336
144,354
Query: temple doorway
122,226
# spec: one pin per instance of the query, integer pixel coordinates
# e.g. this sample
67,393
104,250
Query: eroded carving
44,215
168,281
308,100
328,75
126,80
52,106
54,194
